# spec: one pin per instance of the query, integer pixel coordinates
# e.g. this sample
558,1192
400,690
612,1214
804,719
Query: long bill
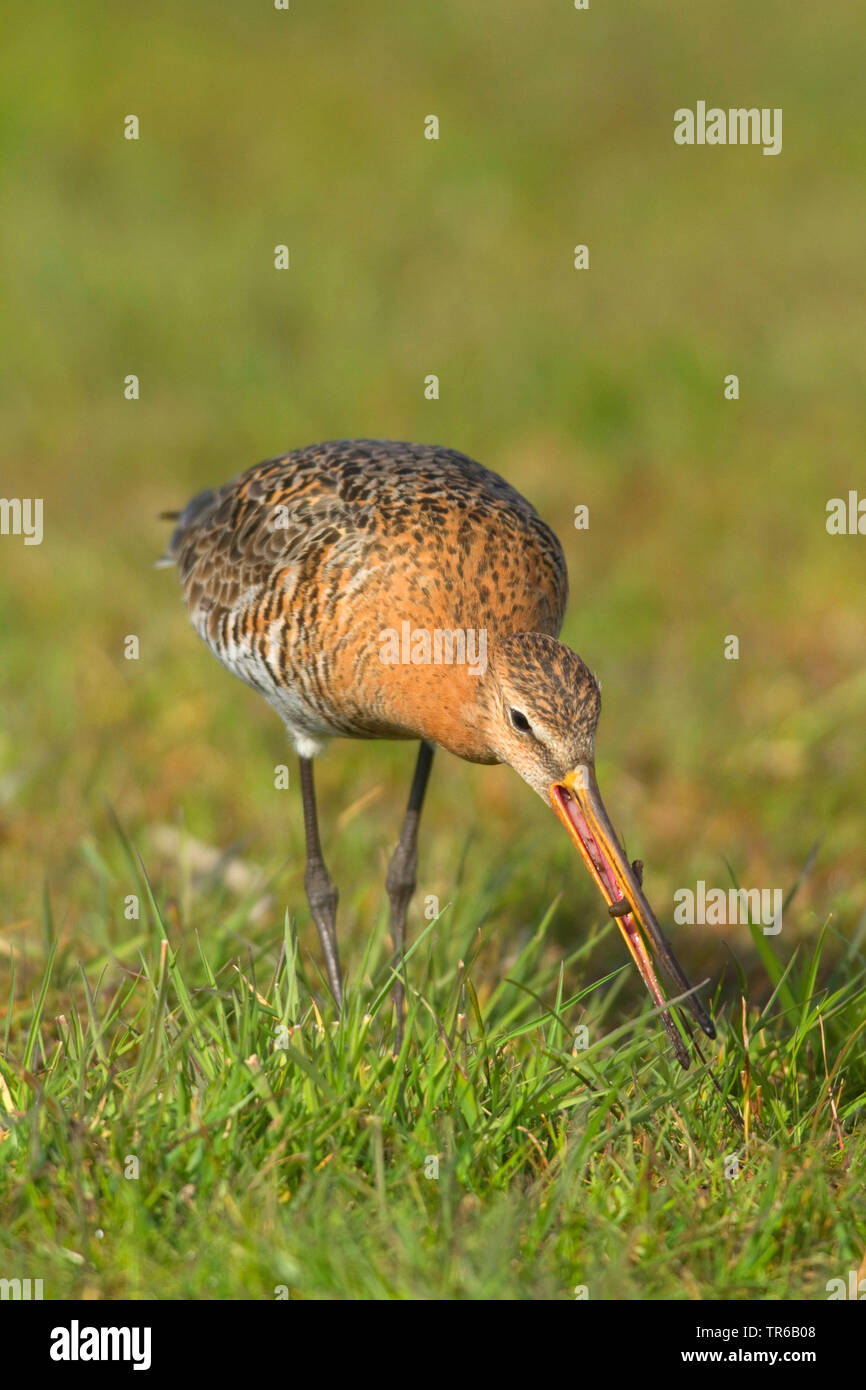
578,804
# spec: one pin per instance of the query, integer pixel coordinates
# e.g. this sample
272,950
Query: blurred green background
602,387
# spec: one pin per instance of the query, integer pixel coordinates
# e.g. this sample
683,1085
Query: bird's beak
577,802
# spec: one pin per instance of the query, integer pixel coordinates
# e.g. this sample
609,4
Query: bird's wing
229,542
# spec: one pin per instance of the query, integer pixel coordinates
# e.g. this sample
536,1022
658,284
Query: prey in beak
578,804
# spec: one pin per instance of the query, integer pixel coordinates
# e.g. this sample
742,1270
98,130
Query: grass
202,1127
558,1166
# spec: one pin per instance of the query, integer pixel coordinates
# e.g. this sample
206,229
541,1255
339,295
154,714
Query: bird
376,589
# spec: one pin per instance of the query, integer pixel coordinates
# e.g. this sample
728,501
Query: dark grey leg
321,890
400,881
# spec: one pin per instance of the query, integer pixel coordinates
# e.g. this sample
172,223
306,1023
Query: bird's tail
192,513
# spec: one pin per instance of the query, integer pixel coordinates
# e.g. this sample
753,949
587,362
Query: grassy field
180,1115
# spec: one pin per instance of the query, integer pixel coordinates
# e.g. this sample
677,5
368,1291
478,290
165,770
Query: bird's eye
520,721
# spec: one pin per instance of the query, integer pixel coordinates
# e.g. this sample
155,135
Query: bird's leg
400,881
321,889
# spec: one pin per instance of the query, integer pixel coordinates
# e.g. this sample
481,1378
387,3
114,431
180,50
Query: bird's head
541,705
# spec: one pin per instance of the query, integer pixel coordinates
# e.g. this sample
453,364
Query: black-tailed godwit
372,589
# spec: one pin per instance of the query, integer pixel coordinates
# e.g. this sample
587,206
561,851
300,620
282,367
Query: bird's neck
444,704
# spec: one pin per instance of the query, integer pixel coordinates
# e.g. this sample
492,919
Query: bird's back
293,572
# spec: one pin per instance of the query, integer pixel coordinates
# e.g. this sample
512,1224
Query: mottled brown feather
292,571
